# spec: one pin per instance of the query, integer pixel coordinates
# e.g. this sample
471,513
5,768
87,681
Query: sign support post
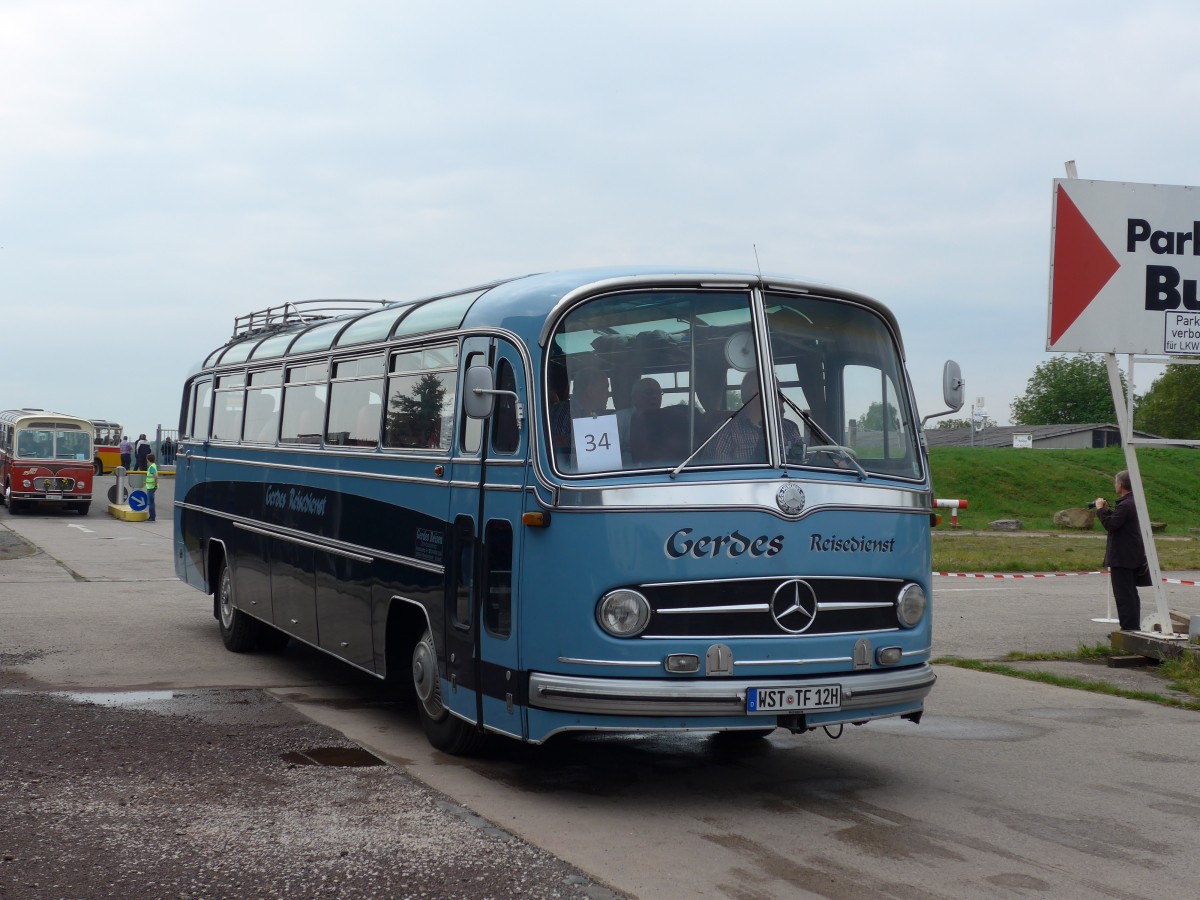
1160,620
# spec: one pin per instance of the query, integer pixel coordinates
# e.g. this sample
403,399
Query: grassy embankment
1032,485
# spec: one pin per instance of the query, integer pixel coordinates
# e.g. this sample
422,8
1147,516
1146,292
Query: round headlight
623,613
910,605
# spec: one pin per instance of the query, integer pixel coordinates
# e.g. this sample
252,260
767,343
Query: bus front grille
772,607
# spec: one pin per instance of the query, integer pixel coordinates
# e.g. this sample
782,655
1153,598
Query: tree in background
1171,407
954,423
872,419
1067,390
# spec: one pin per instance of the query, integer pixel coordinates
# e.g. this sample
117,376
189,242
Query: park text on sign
1124,268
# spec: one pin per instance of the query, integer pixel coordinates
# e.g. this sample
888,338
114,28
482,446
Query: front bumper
861,691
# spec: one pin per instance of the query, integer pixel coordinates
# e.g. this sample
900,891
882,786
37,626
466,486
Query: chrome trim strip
755,637
744,607
322,543
626,282
716,696
608,662
924,652
773,579
764,607
758,494
292,539
849,605
792,662
317,470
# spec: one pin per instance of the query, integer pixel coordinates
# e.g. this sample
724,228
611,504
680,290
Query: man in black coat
1125,554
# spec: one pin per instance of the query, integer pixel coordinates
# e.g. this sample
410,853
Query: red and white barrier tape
1030,575
1050,575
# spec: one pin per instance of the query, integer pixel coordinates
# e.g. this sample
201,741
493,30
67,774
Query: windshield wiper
724,425
845,452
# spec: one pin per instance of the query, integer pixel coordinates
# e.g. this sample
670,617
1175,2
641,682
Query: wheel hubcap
226,600
425,678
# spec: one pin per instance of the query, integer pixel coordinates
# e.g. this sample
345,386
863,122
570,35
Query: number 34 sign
597,444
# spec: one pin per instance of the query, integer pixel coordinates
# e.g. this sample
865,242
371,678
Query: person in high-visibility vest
151,482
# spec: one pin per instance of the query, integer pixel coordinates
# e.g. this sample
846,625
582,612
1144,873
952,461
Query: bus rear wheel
239,631
446,732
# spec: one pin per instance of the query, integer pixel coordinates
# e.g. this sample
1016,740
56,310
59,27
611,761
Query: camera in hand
1092,504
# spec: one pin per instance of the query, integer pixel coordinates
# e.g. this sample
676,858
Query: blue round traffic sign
139,500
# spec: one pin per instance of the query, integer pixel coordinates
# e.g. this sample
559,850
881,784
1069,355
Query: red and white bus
45,457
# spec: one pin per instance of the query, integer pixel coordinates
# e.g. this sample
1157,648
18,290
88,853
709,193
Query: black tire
15,506
271,639
446,732
82,508
239,631
98,466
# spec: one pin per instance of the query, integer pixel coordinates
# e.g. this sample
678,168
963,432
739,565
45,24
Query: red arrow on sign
1082,266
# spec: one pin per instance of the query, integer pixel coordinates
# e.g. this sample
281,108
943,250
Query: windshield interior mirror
478,396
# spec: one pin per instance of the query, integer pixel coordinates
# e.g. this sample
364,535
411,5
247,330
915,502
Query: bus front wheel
239,631
446,732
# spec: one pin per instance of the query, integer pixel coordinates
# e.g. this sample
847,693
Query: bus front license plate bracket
779,700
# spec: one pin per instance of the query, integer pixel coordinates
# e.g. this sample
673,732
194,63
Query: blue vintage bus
604,500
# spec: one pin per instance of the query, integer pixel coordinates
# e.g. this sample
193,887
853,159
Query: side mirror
952,385
478,396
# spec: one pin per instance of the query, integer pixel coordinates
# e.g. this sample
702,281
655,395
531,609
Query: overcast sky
167,166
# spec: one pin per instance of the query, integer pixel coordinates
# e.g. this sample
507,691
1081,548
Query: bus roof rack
299,312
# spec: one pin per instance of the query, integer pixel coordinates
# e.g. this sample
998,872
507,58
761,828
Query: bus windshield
651,379
53,443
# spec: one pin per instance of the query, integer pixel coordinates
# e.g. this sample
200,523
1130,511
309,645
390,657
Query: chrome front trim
758,495
924,652
716,696
847,660
755,637
570,660
654,584
837,606
744,607
763,607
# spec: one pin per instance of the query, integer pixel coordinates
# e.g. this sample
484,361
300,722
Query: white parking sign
1124,268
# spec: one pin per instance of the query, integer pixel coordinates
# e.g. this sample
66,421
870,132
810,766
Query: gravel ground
221,794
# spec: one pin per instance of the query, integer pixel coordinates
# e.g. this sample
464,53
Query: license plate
777,701
53,495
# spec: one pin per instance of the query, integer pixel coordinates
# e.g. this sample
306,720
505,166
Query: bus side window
464,574
203,409
498,609
506,434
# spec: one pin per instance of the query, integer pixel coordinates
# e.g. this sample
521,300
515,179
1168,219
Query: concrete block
125,514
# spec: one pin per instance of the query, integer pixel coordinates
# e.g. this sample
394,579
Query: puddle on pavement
339,757
117,698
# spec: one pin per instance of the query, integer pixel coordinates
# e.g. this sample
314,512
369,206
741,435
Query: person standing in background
141,450
151,483
126,450
1125,554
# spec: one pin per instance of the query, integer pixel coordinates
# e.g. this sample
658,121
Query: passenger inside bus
646,397
590,398
744,438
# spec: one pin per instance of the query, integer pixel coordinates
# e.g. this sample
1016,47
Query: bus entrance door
483,654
